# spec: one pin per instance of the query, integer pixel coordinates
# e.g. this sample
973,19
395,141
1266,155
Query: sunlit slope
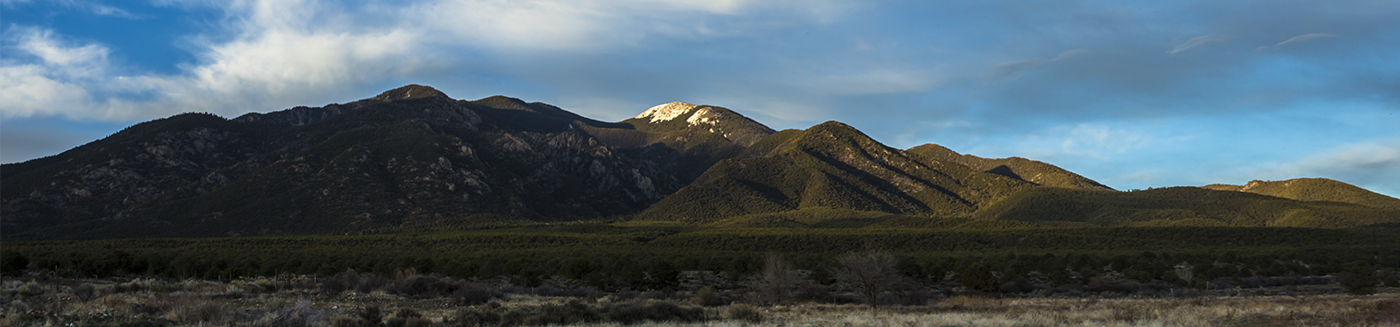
1314,189
1033,171
1179,206
832,165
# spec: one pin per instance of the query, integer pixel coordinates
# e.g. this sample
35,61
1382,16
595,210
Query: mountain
1314,189
408,156
1024,169
831,165
682,138
413,158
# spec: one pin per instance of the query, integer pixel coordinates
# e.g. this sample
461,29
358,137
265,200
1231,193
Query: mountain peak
411,91
667,111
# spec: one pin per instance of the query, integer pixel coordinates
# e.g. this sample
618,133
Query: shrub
1111,284
868,274
1358,278
371,316
299,315
571,312
1389,280
777,283
85,292
707,297
403,317
31,289
13,263
233,291
637,311
978,277
743,312
474,318
196,310
475,294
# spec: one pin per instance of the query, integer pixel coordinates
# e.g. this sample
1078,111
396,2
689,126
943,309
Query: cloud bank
1072,81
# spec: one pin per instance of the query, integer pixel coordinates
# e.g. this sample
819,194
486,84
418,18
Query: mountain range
414,158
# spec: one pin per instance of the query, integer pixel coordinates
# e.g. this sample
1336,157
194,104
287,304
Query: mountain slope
1180,206
408,156
413,158
1028,170
1314,189
831,165
682,138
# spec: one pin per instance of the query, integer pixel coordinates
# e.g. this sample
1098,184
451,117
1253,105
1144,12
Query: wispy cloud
42,43
90,7
1006,69
1193,43
1296,39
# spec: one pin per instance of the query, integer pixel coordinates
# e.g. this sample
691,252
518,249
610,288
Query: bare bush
743,312
299,315
778,282
868,274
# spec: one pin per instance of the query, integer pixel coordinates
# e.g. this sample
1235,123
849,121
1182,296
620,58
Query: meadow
300,301
658,274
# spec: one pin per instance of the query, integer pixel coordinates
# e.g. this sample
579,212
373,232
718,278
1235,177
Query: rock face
410,156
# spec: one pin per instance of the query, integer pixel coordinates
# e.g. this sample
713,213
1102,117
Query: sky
1133,94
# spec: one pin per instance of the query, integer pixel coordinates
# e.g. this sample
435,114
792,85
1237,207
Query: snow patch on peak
707,116
667,111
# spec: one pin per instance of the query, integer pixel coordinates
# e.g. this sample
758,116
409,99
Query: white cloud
26,90
277,54
1295,39
41,43
1098,141
52,83
1192,43
1374,162
1370,164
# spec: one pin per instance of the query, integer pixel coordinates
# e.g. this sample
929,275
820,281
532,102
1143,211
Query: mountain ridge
412,156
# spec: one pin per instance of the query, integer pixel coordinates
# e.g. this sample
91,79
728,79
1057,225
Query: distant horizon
1134,95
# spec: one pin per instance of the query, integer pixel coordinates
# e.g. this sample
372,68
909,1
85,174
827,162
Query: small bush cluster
575,311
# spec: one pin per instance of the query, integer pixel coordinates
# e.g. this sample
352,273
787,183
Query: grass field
301,301
658,274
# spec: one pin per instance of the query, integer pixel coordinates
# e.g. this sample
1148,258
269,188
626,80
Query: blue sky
1132,94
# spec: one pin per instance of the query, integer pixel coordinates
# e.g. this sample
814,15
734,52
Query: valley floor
304,302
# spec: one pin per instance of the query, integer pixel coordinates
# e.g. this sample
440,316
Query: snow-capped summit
667,111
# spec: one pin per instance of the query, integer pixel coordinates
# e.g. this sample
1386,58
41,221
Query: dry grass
298,303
